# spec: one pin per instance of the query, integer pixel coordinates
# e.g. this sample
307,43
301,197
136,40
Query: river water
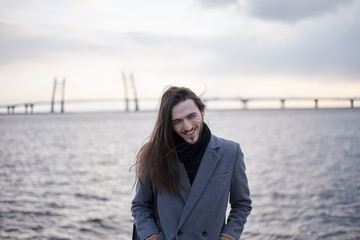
67,176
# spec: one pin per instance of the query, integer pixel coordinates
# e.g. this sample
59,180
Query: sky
218,48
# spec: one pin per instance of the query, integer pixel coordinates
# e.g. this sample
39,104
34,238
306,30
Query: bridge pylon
125,92
56,84
132,81
282,103
135,92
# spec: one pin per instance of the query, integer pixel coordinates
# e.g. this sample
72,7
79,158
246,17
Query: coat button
179,233
204,233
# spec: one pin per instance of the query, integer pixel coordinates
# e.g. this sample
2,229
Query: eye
176,122
193,115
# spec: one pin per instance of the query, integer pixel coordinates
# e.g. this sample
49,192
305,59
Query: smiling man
186,177
187,120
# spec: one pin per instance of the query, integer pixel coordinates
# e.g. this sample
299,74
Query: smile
190,132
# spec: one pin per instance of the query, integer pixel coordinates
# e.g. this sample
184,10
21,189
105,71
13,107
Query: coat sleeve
143,210
240,201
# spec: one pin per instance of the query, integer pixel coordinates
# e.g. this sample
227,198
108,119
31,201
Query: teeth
191,132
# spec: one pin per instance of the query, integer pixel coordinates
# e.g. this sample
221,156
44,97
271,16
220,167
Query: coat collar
206,168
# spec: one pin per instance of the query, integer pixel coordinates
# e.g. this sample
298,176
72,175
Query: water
67,176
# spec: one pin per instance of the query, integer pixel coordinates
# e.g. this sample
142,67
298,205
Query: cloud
238,46
325,45
292,11
329,47
21,42
330,56
216,3
281,10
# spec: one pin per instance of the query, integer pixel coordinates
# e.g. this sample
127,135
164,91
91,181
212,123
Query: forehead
183,109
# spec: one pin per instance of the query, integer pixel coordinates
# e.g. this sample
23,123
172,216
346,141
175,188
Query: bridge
282,101
29,106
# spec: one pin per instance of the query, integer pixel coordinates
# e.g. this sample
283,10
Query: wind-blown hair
157,159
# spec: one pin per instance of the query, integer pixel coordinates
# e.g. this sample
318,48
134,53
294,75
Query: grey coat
199,210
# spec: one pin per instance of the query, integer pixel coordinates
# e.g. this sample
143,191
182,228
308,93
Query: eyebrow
189,115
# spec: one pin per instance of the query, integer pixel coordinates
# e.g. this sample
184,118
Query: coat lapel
184,184
206,168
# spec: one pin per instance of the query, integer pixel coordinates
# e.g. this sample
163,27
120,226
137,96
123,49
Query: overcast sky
237,48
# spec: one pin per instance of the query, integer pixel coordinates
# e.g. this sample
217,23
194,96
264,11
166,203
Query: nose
187,125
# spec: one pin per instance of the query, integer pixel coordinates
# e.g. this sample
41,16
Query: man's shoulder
223,143
228,149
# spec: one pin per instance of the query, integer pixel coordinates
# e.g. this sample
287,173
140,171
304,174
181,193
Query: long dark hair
157,159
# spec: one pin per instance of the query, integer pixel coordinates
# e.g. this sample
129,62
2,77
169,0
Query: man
186,176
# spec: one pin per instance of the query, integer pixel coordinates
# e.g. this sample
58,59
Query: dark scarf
191,154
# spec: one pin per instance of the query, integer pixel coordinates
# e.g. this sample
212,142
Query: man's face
187,120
